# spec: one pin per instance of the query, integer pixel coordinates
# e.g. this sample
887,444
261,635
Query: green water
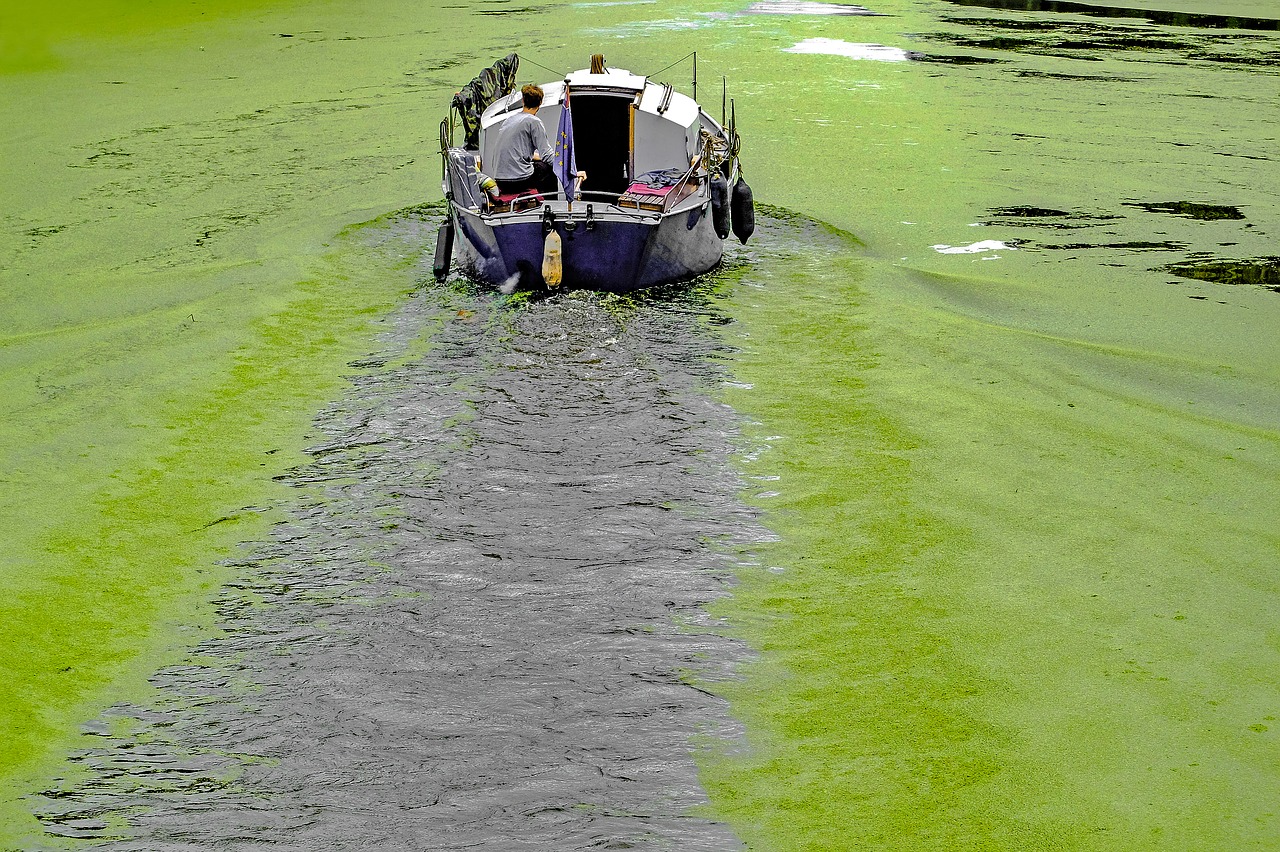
1024,594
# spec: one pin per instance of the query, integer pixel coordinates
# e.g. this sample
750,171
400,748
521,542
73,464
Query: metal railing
455,175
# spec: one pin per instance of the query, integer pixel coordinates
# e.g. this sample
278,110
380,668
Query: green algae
118,583
962,649
179,296
1026,561
861,730
1005,605
1025,504
31,36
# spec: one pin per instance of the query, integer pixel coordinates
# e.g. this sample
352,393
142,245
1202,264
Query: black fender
720,205
444,249
744,211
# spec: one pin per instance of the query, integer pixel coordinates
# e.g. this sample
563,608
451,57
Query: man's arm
542,149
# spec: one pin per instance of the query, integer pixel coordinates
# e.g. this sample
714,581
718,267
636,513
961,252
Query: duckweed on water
1024,502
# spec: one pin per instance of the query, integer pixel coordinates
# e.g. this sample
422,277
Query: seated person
487,185
524,154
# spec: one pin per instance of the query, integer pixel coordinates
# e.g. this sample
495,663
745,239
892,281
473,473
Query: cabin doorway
602,140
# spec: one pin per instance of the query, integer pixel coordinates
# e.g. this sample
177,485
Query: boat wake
483,625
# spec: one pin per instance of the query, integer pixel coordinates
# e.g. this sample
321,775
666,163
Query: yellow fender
553,261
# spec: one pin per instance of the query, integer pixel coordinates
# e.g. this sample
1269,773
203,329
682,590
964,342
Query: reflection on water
1257,272
1093,41
482,624
1105,74
1042,217
1191,210
805,7
1129,245
1156,16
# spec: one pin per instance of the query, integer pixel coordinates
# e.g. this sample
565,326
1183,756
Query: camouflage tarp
494,82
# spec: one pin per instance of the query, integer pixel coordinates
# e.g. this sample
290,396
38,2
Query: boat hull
615,251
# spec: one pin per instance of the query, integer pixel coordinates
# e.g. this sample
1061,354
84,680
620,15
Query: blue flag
566,163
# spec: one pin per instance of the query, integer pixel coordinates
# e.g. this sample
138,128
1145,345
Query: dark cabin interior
602,140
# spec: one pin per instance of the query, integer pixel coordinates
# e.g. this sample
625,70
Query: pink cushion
507,198
645,189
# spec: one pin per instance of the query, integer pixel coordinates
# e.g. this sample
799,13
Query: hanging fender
744,211
720,205
444,249
552,261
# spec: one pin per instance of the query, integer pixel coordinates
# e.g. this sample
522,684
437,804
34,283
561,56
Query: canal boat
649,184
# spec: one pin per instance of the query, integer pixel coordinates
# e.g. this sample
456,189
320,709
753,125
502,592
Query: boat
663,186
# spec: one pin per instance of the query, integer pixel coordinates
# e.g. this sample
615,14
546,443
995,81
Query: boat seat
648,196
644,197
516,201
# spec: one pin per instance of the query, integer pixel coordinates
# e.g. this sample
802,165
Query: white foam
508,287
804,7
836,47
974,248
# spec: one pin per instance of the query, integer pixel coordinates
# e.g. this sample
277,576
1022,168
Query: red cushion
507,198
645,189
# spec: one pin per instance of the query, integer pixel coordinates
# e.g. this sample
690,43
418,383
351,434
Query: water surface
1023,589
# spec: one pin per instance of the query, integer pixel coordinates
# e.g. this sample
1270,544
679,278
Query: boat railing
675,196
612,200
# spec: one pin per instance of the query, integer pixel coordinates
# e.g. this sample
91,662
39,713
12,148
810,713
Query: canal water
483,625
941,517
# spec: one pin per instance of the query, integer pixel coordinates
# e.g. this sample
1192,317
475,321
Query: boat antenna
695,75
724,100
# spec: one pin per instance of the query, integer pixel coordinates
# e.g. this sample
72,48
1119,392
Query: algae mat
1019,449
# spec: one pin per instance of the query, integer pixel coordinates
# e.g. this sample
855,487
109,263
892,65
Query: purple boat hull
617,251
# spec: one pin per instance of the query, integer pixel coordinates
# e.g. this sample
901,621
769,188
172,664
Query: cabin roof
681,109
612,79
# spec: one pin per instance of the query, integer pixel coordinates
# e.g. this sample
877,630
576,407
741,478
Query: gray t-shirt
520,136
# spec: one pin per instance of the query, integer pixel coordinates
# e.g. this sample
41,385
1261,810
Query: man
524,154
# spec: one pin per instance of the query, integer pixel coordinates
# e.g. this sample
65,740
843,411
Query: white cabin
624,125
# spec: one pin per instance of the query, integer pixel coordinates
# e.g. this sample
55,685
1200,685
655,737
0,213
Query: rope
715,149
559,75
672,65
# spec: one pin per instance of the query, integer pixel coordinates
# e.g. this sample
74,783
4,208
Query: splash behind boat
654,207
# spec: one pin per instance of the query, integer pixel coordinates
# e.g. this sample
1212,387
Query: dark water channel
483,623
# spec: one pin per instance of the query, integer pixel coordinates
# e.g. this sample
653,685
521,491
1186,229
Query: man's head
532,96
